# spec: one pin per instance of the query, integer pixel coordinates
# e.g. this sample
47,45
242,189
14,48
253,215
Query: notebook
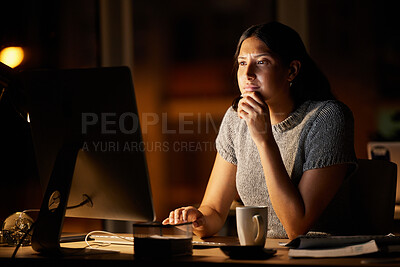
318,242
342,246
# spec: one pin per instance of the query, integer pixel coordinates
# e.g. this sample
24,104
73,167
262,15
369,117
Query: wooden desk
201,257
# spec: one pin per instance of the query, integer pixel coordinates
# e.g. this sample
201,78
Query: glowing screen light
12,56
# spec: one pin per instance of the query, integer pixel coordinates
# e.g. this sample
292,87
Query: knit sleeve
330,140
225,138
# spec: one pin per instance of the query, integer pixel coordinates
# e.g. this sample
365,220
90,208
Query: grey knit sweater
316,135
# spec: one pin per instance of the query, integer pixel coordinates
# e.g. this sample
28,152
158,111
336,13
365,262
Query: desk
201,257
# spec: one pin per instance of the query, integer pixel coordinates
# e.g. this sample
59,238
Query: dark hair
310,83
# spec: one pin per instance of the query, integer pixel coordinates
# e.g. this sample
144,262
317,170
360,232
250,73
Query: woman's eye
242,63
262,62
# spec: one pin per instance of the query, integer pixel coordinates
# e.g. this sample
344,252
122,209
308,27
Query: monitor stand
48,226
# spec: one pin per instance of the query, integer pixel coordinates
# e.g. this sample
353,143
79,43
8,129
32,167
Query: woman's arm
211,215
217,200
299,207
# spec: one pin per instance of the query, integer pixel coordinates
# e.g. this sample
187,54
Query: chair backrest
373,194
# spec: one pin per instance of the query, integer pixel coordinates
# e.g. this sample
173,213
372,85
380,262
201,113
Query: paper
353,250
318,242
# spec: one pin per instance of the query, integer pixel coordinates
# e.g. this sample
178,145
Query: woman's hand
253,109
186,214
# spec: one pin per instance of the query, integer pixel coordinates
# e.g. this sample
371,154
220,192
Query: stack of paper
354,250
342,246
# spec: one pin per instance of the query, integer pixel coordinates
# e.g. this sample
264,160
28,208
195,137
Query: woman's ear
294,69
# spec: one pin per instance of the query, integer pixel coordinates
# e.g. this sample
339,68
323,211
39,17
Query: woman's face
261,71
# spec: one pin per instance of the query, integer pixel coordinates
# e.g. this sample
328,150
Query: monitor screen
87,136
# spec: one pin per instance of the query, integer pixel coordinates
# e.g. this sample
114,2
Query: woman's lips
251,88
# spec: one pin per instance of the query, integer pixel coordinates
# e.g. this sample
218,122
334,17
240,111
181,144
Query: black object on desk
248,252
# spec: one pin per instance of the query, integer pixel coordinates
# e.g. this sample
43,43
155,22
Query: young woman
285,143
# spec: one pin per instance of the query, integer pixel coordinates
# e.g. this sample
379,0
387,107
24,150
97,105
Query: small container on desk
157,241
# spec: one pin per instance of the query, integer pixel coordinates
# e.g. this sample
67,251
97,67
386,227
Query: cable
105,232
84,202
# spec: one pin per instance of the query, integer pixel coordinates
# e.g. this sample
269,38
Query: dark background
181,57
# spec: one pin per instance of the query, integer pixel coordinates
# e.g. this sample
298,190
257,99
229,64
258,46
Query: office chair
373,196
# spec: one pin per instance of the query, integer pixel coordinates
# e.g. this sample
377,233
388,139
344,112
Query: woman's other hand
186,214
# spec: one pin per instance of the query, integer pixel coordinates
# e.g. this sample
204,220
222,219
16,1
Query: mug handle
260,228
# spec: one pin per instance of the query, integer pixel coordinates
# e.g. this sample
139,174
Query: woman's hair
310,83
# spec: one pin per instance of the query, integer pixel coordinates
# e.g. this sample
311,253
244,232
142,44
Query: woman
285,143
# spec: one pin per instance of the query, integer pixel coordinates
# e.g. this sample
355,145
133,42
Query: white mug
252,223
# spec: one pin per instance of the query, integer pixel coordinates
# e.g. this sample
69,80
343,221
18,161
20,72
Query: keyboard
125,240
130,241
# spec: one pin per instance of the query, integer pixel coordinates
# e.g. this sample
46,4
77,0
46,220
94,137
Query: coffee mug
252,225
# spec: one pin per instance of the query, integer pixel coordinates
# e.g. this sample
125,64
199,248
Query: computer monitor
88,147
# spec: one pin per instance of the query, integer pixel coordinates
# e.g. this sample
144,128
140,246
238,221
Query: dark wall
54,34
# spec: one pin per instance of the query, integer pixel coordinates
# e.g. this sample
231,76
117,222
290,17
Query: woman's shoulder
230,112
330,118
331,110
230,116
229,122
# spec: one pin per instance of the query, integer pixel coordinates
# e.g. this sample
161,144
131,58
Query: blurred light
12,56
28,119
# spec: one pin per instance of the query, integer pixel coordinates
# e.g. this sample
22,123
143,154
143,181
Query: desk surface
201,257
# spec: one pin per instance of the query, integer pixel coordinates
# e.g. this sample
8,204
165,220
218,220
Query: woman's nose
250,73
